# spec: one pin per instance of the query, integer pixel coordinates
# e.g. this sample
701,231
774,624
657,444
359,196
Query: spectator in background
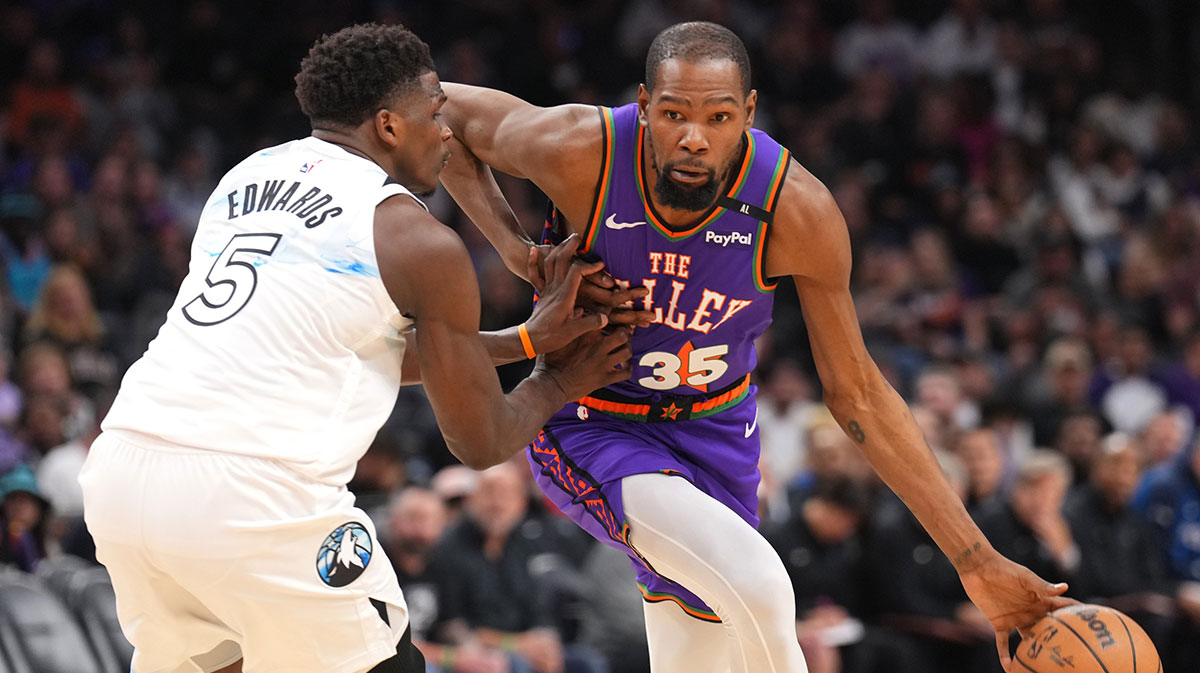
43,373
1164,438
488,590
43,94
65,317
1125,389
23,514
1114,567
939,390
58,471
985,464
1169,499
831,455
1078,440
1181,379
917,593
963,40
1062,388
416,520
877,39
1031,530
22,251
821,546
187,187
785,405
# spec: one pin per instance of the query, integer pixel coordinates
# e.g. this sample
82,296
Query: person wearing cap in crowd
23,516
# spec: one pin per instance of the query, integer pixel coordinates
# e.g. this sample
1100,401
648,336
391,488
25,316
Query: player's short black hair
349,75
694,42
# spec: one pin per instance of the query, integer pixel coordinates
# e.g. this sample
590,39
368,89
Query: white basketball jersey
282,342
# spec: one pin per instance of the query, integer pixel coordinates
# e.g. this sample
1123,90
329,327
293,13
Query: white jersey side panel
282,342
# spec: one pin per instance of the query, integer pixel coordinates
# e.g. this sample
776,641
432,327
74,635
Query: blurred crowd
1021,183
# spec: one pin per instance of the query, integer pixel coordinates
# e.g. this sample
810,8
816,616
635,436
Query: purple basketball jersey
707,290
688,409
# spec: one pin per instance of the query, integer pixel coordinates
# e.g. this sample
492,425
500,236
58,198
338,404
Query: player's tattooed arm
966,554
856,432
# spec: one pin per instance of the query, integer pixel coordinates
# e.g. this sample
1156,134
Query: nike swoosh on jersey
751,426
612,223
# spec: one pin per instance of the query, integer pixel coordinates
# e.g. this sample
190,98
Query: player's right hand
597,293
590,362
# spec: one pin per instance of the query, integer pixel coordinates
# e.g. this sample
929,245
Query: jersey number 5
231,280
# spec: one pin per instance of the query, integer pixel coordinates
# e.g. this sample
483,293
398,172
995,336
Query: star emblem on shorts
671,412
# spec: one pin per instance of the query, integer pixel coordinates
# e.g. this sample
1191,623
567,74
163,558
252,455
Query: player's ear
389,127
643,103
751,106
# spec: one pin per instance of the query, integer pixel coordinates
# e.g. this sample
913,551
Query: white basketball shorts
216,557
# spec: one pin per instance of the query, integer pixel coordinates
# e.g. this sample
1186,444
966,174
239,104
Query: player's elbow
853,399
846,403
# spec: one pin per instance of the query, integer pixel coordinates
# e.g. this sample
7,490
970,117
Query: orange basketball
1087,639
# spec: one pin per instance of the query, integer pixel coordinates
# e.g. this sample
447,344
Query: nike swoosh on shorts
751,426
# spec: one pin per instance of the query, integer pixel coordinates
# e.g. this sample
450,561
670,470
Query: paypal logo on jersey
728,238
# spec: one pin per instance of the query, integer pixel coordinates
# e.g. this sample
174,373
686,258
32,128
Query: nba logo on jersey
307,167
344,554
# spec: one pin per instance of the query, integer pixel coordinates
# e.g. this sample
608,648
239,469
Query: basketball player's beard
673,195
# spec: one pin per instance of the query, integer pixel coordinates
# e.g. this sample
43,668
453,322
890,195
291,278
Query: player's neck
347,141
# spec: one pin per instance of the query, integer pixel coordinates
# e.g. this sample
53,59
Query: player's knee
763,586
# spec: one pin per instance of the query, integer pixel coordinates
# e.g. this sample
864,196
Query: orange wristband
525,342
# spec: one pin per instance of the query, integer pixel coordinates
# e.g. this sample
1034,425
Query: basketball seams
1132,645
1085,643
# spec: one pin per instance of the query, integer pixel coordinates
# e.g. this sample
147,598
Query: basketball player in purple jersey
679,194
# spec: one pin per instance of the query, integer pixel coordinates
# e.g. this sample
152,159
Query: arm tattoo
966,554
856,432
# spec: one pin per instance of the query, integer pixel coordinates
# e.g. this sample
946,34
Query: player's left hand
556,320
1012,597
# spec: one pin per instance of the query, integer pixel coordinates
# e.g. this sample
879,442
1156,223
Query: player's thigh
670,516
318,595
167,625
680,643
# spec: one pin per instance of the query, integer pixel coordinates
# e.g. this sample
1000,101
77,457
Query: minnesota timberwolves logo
344,554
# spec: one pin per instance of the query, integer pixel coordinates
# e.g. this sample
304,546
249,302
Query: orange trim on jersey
656,597
747,161
760,254
722,399
640,412
615,407
606,167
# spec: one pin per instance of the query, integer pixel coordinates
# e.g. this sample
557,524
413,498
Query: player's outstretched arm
809,241
428,274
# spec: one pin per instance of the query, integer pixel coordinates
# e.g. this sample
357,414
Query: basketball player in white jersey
318,281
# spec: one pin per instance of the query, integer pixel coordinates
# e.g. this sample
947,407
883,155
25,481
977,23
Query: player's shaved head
697,41
349,75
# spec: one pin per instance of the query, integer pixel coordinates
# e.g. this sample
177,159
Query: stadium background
1022,187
